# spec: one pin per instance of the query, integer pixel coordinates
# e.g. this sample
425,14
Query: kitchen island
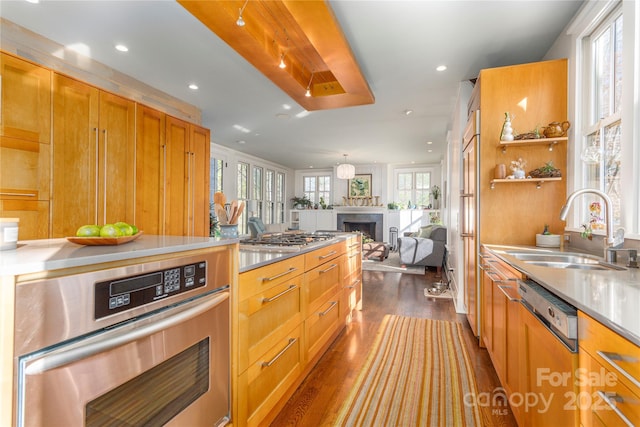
288,308
51,295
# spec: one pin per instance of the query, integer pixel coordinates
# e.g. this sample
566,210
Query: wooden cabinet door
199,181
149,186
116,159
486,319
468,234
548,370
26,100
25,149
93,155
176,221
75,155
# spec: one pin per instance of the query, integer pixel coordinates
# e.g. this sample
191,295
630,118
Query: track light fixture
308,92
240,21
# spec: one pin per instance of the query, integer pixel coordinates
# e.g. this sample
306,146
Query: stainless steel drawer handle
354,245
354,284
331,267
355,254
327,255
611,399
128,333
292,341
284,273
611,359
275,297
506,290
2,193
333,304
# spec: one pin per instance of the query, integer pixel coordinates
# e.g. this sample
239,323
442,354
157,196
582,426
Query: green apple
88,231
110,230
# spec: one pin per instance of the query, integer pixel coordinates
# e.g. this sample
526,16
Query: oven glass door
171,368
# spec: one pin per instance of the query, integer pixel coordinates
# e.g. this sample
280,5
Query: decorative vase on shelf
518,174
507,130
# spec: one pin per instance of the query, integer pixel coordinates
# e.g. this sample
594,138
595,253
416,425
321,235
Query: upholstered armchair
426,247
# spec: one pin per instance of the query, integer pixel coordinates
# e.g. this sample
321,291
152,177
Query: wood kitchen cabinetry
500,324
610,376
534,94
172,175
25,145
93,167
286,316
351,278
548,371
103,161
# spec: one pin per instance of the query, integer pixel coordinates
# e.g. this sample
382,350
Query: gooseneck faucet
613,239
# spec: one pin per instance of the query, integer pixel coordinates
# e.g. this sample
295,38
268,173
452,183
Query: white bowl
548,240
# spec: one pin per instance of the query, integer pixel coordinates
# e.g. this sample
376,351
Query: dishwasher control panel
561,315
115,296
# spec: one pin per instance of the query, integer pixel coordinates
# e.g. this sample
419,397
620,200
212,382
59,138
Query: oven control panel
114,296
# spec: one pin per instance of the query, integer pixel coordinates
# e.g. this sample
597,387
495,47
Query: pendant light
240,21
345,170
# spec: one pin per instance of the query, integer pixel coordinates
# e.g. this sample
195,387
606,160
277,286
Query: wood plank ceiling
303,34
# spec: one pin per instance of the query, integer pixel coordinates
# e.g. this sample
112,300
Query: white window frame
413,171
592,16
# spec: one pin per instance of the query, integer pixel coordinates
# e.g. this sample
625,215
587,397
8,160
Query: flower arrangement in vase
517,166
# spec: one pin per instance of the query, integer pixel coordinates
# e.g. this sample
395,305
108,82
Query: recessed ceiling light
241,141
33,1
311,167
303,113
407,112
429,151
429,142
241,128
441,67
193,86
286,106
122,48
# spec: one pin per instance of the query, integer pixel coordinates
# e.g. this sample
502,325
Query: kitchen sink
564,260
576,265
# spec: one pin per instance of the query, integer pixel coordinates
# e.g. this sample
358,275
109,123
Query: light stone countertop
609,296
33,256
255,258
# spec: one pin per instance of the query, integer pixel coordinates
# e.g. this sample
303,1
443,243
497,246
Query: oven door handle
130,332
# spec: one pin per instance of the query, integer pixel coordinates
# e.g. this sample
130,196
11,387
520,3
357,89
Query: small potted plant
435,192
301,202
517,166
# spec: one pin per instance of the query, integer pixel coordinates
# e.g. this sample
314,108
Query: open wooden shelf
537,181
551,142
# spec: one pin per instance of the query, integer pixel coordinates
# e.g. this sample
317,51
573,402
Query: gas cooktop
284,241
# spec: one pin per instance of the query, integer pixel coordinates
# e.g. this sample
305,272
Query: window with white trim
412,187
317,187
601,159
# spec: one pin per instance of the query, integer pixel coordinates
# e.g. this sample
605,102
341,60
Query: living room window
412,187
316,187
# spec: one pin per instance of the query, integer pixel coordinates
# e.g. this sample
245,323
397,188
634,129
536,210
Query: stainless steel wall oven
139,345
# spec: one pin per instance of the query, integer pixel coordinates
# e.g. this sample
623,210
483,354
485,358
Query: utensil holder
229,231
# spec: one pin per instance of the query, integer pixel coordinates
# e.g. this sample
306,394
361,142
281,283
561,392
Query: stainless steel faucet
614,240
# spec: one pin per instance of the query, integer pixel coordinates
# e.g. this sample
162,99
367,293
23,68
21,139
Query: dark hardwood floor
318,399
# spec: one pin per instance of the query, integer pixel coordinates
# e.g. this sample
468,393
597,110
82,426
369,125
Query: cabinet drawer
603,399
262,385
256,281
321,324
320,256
352,262
265,318
351,296
320,283
611,350
33,215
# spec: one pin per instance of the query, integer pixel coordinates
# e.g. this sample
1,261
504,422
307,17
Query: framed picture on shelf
360,186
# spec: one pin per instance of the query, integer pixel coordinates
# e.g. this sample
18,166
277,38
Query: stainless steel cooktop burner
284,241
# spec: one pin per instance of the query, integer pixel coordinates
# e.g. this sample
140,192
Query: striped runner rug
417,374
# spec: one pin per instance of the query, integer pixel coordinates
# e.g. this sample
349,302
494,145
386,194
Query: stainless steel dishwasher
550,356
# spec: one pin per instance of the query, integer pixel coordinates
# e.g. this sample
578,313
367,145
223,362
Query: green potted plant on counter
301,202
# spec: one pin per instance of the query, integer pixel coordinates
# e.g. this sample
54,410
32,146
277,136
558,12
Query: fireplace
369,224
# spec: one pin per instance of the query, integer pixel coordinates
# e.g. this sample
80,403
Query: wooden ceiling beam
308,34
